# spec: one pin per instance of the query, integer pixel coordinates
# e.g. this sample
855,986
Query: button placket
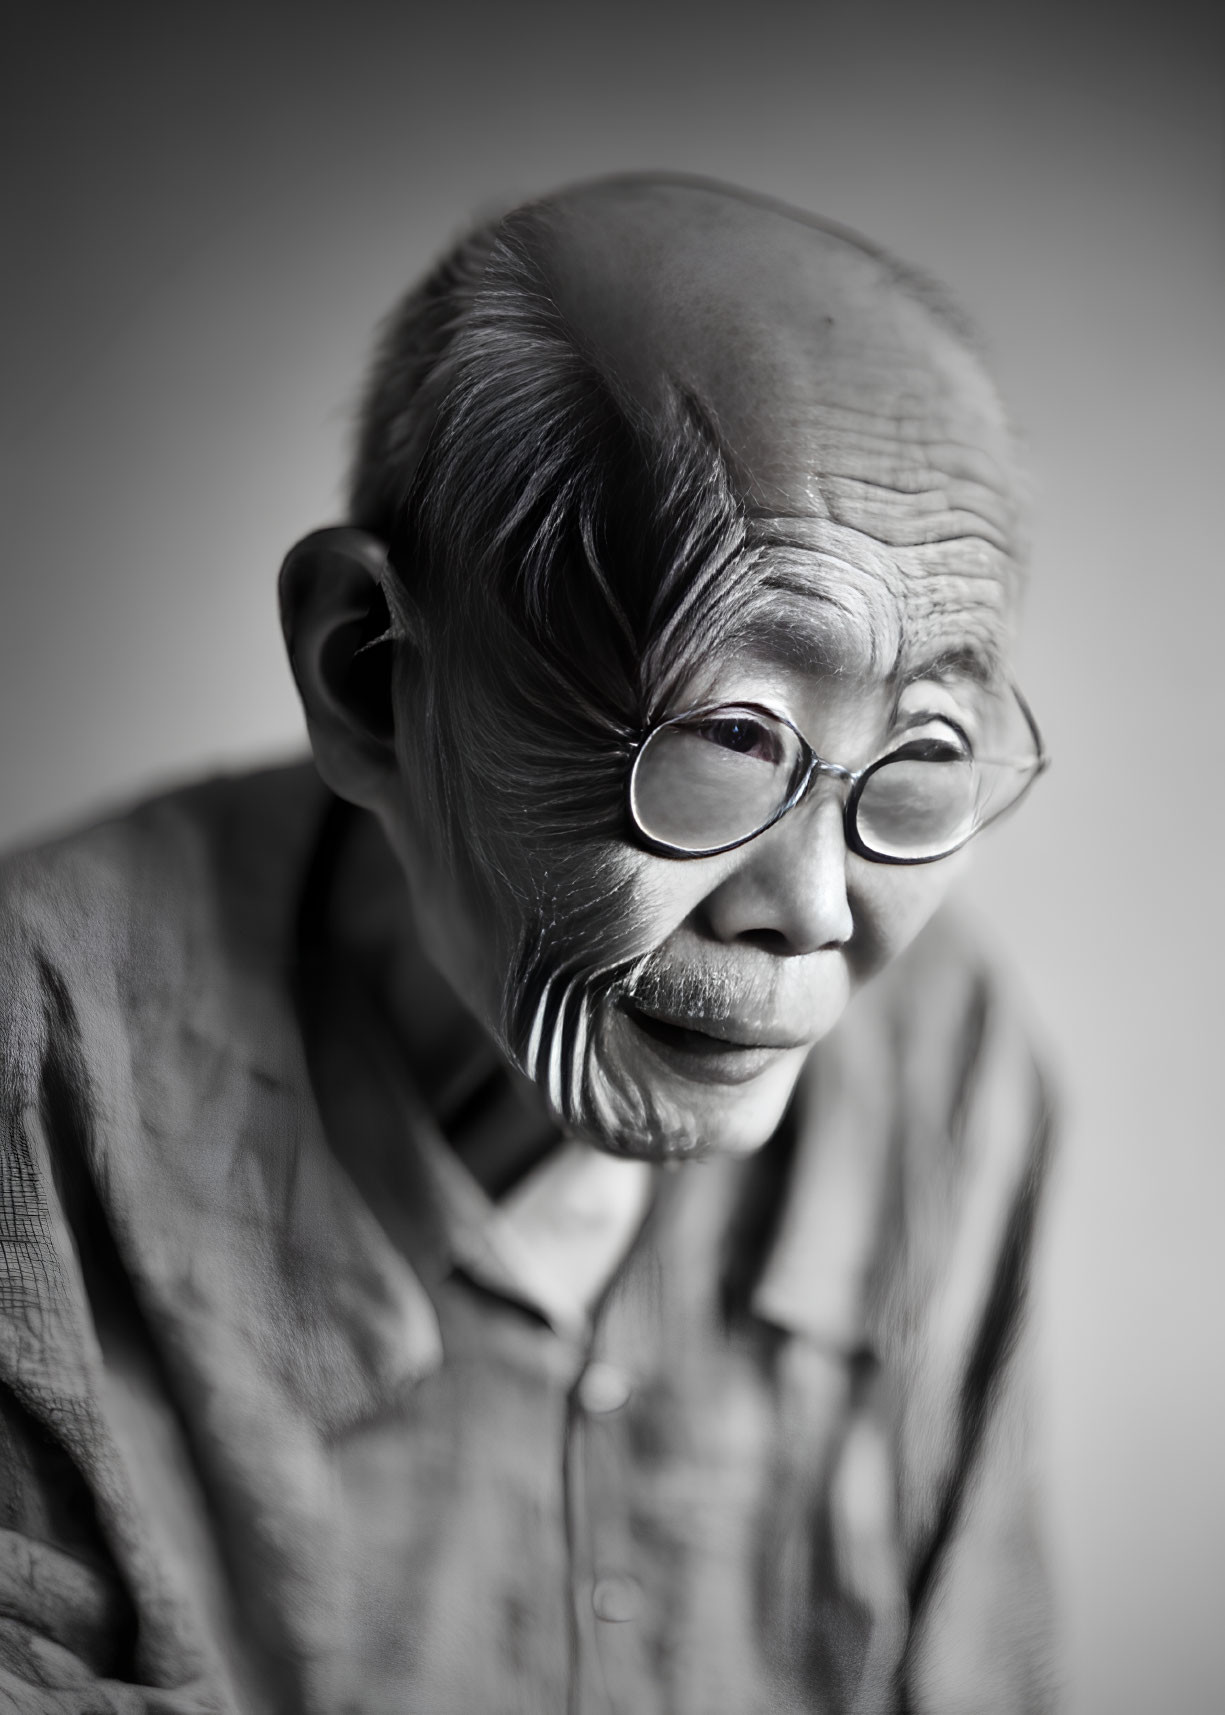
612,1668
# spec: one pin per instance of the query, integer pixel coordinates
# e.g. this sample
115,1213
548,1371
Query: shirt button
616,1599
603,1388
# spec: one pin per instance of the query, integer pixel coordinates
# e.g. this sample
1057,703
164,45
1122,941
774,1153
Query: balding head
851,413
835,377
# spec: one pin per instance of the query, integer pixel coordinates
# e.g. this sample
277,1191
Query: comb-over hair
559,548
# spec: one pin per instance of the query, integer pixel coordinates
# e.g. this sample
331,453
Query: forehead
772,317
833,600
869,443
826,643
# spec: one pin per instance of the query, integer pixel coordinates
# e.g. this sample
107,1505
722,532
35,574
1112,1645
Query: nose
788,893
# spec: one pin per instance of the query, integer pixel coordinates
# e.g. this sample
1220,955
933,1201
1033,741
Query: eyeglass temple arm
1041,758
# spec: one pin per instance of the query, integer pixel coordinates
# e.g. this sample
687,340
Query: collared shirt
294,1420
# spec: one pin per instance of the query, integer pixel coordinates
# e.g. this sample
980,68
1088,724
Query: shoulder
172,921
960,1036
130,898
971,1111
143,999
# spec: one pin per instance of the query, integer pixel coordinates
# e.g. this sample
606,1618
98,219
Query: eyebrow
799,639
981,666
788,629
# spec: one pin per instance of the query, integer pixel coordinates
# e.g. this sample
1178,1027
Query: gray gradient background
207,210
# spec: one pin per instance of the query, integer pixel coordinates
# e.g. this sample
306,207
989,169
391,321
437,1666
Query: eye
937,736
742,733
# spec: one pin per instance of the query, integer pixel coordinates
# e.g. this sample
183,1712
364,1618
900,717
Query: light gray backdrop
210,207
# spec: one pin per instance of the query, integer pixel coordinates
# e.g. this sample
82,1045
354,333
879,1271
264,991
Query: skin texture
876,462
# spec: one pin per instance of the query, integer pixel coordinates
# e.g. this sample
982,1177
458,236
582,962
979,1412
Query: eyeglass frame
816,766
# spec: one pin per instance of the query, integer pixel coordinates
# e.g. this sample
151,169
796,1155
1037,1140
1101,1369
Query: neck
492,1116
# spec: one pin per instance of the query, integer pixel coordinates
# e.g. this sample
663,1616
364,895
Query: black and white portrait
608,927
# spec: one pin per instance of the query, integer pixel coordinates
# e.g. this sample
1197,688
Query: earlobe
339,635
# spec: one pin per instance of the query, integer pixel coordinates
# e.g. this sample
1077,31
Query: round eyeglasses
710,779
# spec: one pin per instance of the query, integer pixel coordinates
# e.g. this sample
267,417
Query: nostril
768,940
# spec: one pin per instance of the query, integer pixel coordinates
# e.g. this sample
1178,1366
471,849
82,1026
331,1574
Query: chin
656,1103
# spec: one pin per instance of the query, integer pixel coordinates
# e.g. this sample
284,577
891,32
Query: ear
338,633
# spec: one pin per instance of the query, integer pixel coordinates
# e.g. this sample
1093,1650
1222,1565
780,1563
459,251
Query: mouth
728,1055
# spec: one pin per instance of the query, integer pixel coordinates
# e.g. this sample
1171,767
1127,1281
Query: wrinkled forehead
834,600
868,440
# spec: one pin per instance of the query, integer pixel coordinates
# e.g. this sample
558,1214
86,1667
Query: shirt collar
556,1238
554,1242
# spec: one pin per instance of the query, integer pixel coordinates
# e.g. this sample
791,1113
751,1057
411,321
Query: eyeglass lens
720,777
917,807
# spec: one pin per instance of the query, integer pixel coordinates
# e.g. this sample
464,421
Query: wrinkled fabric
270,1442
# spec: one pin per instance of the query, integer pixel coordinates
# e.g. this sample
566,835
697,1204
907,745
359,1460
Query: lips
701,1054
699,1034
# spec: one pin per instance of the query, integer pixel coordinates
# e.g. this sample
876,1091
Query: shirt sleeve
74,1638
67,1624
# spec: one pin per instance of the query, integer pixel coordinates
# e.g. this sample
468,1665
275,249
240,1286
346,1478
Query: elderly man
457,1255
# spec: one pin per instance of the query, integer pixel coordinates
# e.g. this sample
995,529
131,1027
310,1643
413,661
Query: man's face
681,1025
667,1005
761,948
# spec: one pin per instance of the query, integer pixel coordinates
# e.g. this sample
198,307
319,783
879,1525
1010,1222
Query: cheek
891,903
669,890
451,929
615,907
